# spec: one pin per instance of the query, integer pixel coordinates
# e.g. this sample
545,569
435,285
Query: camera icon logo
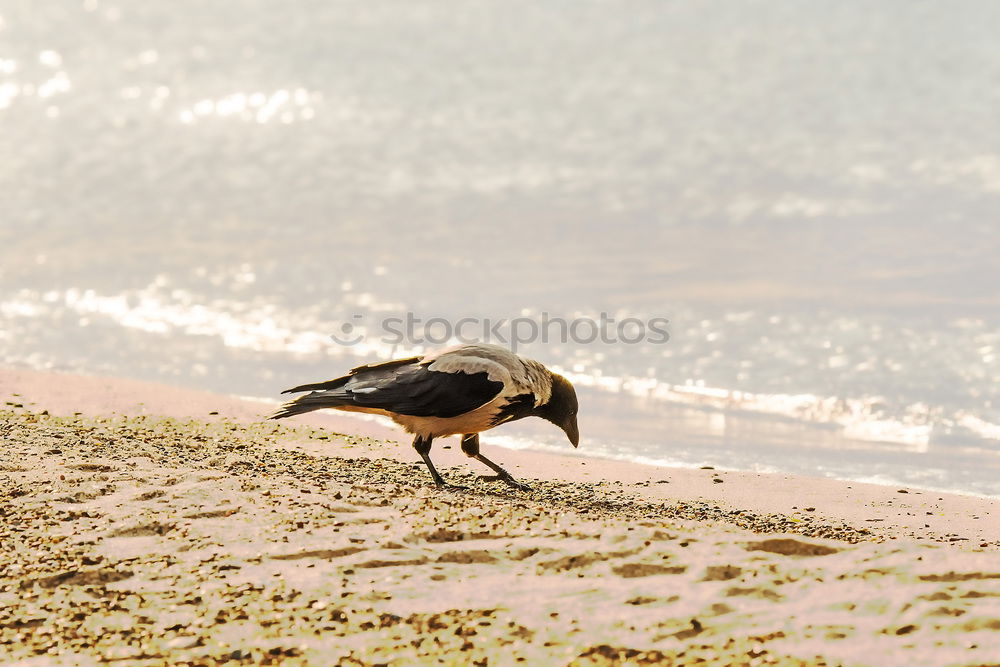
348,333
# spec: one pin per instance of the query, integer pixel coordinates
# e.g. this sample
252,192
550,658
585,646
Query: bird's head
561,408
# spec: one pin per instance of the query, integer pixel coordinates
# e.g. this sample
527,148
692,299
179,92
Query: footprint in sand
787,546
467,557
635,570
721,573
143,530
83,578
325,554
213,514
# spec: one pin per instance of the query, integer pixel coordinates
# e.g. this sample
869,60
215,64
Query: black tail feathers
319,386
308,403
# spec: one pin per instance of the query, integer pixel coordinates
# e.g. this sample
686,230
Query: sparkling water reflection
202,192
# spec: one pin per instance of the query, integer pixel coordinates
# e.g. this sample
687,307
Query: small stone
183,642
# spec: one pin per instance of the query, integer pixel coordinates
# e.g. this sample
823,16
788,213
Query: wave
257,325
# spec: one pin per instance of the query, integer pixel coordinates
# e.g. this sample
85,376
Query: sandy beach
145,524
719,279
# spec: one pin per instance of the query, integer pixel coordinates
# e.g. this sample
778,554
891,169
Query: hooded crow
462,390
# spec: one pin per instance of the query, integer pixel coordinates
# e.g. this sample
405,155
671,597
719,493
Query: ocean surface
808,193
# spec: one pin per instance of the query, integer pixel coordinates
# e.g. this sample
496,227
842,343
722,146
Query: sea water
203,193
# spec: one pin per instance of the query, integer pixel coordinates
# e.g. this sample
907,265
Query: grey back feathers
518,374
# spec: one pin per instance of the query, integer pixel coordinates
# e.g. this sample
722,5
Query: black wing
415,390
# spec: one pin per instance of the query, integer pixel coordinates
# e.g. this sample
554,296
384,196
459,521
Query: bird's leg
423,447
470,445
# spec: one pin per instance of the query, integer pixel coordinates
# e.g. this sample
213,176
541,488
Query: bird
461,390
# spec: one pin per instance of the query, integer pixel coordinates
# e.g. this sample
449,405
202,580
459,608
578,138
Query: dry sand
146,530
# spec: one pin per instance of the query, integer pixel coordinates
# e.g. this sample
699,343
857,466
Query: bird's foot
445,486
506,479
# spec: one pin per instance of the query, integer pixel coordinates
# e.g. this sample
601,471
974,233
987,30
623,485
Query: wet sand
142,528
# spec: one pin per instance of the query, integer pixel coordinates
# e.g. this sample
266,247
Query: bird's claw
508,480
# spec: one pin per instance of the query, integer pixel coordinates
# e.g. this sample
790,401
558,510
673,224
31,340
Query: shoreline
393,432
153,525
890,511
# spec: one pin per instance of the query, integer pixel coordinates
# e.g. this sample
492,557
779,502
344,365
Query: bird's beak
572,431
